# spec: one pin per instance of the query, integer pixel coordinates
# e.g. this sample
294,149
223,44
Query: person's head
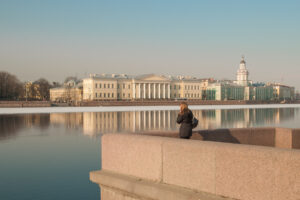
183,107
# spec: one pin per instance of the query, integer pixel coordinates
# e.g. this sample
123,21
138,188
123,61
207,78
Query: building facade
145,87
71,91
242,74
158,87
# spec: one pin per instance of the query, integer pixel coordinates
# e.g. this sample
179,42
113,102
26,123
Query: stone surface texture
283,138
139,156
189,164
238,171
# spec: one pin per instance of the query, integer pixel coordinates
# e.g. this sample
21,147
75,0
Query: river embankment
25,104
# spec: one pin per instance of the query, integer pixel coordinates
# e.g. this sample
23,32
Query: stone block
287,174
244,172
189,164
283,138
296,139
135,155
242,135
112,194
262,137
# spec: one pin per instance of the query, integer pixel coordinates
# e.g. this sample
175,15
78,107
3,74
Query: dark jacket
185,121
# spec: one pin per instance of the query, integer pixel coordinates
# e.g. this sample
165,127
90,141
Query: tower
242,73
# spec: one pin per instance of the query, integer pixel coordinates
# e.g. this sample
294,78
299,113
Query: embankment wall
237,171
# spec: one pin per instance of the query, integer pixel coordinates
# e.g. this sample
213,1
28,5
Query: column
133,90
159,90
169,91
164,91
144,90
149,92
140,92
154,90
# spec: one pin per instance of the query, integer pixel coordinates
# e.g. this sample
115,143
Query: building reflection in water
97,123
10,125
94,123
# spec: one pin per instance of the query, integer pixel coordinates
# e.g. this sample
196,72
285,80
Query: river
48,153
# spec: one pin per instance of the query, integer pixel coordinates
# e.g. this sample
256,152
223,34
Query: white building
242,74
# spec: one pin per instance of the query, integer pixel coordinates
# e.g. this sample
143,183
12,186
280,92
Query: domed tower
242,74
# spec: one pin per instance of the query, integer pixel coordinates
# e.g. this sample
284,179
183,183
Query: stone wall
268,136
237,171
16,104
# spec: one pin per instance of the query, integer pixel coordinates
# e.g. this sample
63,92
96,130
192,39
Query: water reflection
10,125
97,123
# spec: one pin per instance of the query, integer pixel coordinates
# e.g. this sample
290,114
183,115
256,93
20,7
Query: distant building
32,91
221,92
283,92
99,87
71,91
242,74
144,87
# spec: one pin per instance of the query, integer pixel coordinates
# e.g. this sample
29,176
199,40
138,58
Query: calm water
49,156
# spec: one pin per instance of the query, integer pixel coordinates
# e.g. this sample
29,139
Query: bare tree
43,88
10,86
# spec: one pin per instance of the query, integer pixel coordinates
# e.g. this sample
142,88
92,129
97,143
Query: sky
54,39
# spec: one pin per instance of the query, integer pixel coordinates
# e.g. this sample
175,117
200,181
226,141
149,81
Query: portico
152,87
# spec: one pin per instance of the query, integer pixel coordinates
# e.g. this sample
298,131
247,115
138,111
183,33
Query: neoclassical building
99,87
144,87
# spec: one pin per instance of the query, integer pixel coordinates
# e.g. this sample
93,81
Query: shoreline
69,109
31,104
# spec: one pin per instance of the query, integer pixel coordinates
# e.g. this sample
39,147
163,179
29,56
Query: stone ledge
146,189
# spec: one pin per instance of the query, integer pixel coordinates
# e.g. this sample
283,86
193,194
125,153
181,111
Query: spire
243,60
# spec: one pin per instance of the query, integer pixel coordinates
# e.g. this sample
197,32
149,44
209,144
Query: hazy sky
59,38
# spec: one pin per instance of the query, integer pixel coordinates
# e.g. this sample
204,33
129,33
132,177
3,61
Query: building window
179,87
128,86
174,87
185,87
104,95
96,95
108,85
179,95
96,85
123,86
118,85
100,85
123,94
104,85
108,95
118,95
100,95
112,95
174,95
128,95
112,85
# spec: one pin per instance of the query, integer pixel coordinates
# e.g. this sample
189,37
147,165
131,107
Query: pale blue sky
58,38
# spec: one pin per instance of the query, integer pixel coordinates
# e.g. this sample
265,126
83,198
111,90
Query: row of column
151,91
